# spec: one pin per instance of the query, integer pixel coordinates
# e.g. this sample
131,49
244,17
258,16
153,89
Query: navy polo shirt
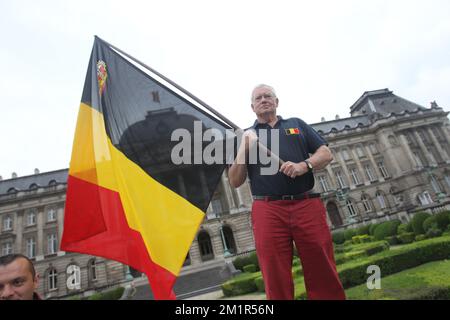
296,141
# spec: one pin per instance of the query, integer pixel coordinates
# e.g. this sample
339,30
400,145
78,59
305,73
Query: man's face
16,281
264,101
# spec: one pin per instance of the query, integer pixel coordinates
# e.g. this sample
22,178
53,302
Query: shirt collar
257,124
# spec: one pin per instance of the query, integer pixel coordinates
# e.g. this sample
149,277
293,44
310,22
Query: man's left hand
292,169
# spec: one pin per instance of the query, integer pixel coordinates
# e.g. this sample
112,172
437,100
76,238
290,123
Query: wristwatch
309,165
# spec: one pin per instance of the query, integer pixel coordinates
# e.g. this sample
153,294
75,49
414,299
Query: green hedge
338,237
439,221
259,282
240,262
417,222
114,294
241,284
349,234
386,229
407,237
250,268
363,230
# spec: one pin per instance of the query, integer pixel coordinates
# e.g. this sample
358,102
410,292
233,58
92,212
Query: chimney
1,178
322,119
36,171
14,175
337,117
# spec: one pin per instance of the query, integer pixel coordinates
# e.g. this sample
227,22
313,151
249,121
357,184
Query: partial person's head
264,100
18,278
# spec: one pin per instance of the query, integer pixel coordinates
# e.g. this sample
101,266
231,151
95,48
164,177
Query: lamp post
342,195
226,252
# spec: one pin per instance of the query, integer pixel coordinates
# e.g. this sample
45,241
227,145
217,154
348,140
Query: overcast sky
319,55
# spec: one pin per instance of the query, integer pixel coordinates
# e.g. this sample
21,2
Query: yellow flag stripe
166,221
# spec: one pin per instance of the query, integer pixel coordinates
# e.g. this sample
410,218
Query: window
155,96
31,218
324,183
381,200
366,203
204,242
345,154
383,170
7,248
359,152
340,179
52,243
355,177
31,247
7,223
373,148
351,208
425,198
435,185
92,269
51,215
217,206
52,279
369,173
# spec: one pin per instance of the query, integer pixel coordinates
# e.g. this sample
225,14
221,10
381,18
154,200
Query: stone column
397,171
40,243
374,164
361,169
441,151
424,149
405,145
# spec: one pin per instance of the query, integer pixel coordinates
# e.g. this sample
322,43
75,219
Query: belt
288,197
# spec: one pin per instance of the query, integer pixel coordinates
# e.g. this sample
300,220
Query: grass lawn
422,281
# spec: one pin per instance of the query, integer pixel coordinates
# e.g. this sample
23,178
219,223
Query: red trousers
276,225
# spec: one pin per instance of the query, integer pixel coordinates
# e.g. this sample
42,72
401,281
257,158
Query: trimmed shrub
113,294
386,229
420,237
240,285
407,237
250,268
417,222
259,282
365,238
392,240
240,262
363,230
373,227
428,223
377,248
433,233
402,228
443,220
338,237
349,233
409,227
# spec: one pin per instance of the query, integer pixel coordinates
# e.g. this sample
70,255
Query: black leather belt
288,197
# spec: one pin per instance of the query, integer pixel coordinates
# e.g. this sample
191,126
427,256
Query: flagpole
202,103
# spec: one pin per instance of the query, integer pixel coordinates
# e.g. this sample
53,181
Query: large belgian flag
126,199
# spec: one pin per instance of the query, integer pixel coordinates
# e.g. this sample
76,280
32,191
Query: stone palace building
391,159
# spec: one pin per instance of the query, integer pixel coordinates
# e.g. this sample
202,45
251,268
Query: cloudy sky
319,55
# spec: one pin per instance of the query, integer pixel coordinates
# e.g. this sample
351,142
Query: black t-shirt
296,141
